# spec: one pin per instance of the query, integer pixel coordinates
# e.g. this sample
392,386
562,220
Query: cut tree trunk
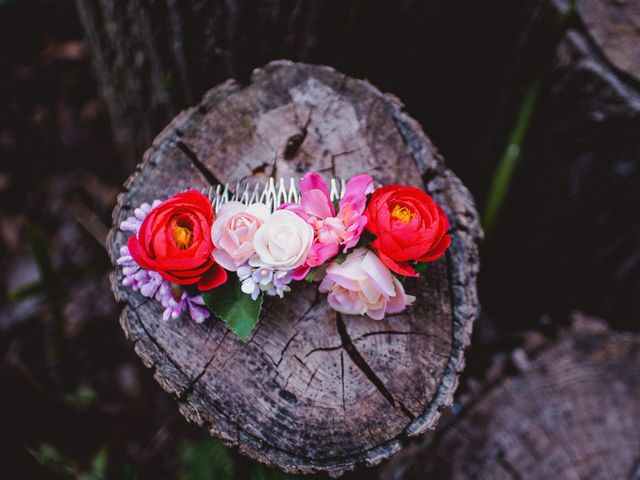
578,174
153,58
572,413
311,390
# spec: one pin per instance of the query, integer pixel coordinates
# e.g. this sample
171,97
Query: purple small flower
194,306
151,284
197,309
133,223
263,275
280,283
251,287
244,272
264,279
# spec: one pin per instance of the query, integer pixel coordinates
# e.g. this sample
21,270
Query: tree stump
311,390
574,413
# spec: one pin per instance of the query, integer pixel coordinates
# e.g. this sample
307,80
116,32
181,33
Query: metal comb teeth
270,192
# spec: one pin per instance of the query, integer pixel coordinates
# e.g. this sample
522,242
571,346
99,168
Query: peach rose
233,232
362,284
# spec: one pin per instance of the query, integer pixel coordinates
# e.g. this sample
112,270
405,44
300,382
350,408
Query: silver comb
270,192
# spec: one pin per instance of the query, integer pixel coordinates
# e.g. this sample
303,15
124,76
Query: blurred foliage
40,250
263,473
204,459
507,163
207,459
503,175
55,461
83,398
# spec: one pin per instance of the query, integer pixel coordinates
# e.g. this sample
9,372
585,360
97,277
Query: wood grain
572,414
312,390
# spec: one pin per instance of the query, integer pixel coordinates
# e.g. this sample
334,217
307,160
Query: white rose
282,242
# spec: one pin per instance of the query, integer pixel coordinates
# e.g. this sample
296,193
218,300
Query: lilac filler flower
269,280
132,223
144,281
194,306
151,284
281,280
249,285
263,275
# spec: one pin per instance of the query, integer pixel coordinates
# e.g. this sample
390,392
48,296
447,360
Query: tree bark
153,58
572,413
312,390
566,222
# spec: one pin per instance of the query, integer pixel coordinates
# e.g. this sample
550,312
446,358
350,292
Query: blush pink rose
363,285
233,232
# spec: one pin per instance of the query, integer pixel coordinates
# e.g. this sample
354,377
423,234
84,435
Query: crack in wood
506,465
392,332
342,378
192,383
284,349
160,348
364,367
314,303
191,155
313,375
323,349
295,141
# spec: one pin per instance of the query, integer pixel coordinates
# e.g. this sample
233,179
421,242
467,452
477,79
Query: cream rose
282,242
363,285
233,231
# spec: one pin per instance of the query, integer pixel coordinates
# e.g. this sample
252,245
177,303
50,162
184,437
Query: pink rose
332,232
233,232
362,284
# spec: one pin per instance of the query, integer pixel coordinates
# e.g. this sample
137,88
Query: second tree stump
573,413
311,390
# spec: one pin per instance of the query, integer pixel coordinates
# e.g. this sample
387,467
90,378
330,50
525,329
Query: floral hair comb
271,193
221,252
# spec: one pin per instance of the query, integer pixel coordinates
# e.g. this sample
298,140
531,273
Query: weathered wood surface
614,27
152,59
311,390
573,412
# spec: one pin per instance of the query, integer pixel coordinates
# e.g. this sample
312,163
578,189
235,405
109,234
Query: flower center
402,213
183,235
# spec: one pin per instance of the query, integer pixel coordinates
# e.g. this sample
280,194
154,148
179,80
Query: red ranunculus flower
175,241
408,225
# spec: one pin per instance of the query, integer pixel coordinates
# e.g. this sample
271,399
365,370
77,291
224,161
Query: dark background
76,400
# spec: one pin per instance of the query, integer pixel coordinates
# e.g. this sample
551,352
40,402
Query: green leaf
205,459
340,259
421,267
503,176
336,204
310,275
82,398
99,465
234,307
54,460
